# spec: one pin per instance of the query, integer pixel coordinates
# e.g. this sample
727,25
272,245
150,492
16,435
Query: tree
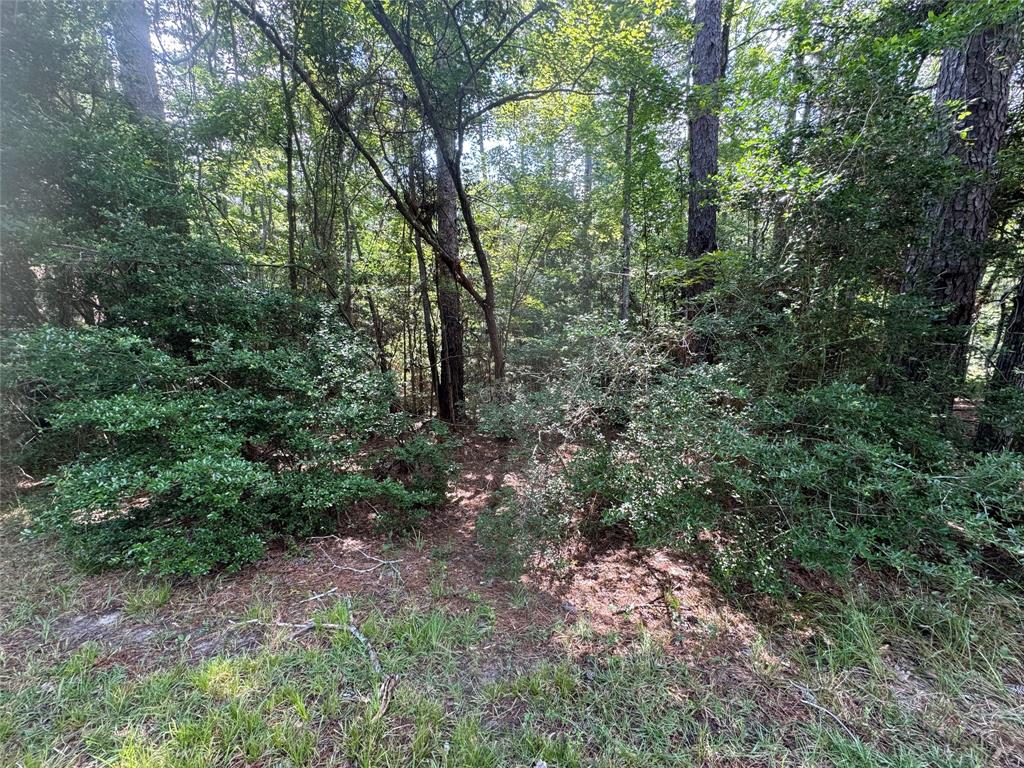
451,394
627,204
137,75
1007,373
972,98
702,229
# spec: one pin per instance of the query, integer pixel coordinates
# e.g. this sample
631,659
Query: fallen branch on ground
302,628
812,701
330,591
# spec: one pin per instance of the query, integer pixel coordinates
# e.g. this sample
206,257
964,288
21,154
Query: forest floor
358,651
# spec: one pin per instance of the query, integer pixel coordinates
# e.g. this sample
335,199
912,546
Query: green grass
318,705
905,679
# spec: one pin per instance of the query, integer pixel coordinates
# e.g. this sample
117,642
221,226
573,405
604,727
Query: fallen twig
330,591
379,563
811,700
384,694
304,627
634,606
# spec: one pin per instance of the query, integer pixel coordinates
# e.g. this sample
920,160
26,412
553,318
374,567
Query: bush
602,372
178,463
761,480
518,528
422,462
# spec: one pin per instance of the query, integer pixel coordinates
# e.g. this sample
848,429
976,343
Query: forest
541,383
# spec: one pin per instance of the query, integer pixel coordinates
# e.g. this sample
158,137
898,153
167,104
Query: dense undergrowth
759,474
183,435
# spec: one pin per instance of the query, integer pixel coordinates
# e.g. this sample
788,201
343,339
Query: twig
330,591
377,559
379,562
384,694
811,700
634,606
371,569
352,629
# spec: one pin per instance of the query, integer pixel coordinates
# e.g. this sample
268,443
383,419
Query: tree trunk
428,324
702,232
447,130
291,206
141,90
139,85
18,289
378,334
586,246
727,14
1008,372
948,268
627,205
451,395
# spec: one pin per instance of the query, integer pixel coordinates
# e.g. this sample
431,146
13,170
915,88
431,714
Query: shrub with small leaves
178,463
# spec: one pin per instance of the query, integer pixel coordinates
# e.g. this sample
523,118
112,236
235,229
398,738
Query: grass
900,679
318,704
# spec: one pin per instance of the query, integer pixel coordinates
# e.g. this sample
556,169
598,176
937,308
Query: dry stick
811,700
634,606
384,693
371,569
330,591
352,629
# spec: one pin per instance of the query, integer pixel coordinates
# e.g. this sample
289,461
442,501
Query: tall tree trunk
627,205
1008,372
288,92
141,90
428,323
482,150
18,286
702,232
139,85
447,130
451,395
378,334
947,269
586,245
727,15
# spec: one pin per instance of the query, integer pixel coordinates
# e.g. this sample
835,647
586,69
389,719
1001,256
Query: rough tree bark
1008,372
627,205
451,395
702,232
130,24
975,79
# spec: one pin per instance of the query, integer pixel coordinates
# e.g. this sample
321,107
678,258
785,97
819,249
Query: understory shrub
178,461
516,528
761,480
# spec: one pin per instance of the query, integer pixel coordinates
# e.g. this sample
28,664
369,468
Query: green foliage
517,528
824,477
179,464
423,463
